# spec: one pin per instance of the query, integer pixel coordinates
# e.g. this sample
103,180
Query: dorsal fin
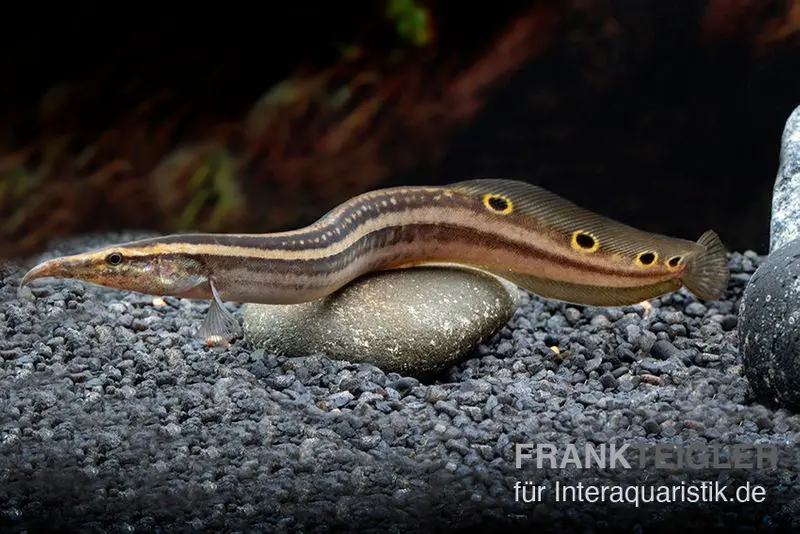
548,210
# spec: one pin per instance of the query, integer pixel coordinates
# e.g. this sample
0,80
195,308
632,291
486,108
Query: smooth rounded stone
785,224
769,328
413,321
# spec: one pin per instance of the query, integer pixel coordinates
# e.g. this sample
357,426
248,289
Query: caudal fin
707,272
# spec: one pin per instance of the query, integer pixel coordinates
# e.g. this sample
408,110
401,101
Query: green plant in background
412,21
413,24
15,182
213,181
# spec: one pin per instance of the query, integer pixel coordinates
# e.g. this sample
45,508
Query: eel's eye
115,258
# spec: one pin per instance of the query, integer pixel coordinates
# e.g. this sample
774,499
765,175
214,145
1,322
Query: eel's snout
49,269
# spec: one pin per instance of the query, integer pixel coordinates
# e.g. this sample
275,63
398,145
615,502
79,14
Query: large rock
769,316
415,321
769,328
785,224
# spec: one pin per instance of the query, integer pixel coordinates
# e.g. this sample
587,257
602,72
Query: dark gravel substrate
113,417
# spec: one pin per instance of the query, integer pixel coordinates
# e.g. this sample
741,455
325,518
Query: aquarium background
261,117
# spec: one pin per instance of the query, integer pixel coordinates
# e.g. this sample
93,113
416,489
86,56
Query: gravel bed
113,417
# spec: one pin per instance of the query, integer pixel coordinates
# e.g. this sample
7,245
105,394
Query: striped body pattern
515,230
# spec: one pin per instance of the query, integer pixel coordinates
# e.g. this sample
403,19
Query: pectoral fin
220,327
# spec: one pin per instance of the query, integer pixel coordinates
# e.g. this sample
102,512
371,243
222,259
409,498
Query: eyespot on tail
707,273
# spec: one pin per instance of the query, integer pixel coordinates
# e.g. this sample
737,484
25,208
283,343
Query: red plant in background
763,23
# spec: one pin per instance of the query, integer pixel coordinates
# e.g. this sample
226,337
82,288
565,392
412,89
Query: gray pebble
620,371
632,332
646,340
664,350
339,400
572,315
608,381
677,330
695,309
729,322
593,364
672,316
651,426
600,321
